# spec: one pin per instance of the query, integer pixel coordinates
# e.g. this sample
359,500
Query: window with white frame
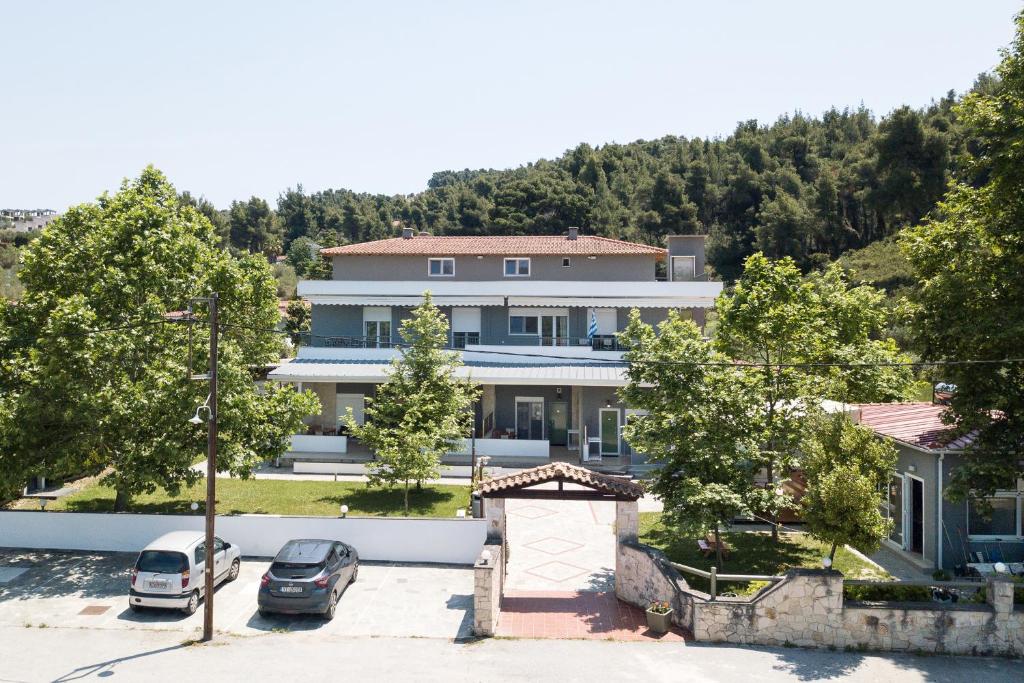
566,262
517,267
1001,519
465,326
892,507
440,267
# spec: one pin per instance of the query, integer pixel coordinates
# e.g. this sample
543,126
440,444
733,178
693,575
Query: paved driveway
560,545
64,589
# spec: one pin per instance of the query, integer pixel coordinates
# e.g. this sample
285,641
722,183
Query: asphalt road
51,654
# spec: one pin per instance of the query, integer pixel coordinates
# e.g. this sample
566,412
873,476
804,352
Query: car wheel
193,603
332,605
355,574
135,608
264,613
236,566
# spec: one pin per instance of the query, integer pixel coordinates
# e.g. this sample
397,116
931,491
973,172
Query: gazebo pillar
627,520
627,528
494,513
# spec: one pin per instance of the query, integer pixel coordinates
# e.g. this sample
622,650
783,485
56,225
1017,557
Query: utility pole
211,477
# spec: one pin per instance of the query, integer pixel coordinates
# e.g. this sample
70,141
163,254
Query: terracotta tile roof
918,424
584,245
563,471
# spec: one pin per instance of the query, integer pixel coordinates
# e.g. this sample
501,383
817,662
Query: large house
534,317
930,530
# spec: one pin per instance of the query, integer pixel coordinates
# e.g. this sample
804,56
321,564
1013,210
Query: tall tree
254,227
700,425
421,410
73,397
846,467
969,262
790,328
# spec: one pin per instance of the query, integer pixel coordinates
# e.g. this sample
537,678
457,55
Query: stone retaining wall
807,609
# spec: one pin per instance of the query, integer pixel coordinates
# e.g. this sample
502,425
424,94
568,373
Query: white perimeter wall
449,541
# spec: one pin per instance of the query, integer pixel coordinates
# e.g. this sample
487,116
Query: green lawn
752,553
315,498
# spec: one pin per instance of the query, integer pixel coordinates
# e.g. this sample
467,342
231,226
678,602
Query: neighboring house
534,316
929,530
26,220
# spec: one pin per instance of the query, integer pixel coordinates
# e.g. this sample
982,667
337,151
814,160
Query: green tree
303,255
254,227
791,329
298,320
699,425
969,262
421,410
72,399
846,468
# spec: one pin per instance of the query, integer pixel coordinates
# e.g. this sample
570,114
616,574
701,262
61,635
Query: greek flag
592,328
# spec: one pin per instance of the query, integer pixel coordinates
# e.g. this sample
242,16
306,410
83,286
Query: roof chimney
407,233
573,233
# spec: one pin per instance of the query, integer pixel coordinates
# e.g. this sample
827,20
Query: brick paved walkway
574,614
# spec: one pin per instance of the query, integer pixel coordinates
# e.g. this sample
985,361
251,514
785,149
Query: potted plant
659,617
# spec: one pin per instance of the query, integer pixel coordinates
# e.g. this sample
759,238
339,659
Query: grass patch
265,496
753,552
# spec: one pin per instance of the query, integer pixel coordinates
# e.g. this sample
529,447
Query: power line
87,333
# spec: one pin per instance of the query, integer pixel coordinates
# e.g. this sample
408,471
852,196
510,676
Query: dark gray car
307,577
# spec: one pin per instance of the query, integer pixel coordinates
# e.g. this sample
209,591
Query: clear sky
233,99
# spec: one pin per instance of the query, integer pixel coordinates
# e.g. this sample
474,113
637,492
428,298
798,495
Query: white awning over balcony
620,294
596,374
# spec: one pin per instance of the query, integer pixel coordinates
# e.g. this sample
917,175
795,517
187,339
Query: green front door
609,431
558,423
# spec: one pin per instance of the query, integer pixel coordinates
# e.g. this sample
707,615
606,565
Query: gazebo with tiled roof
584,486
597,486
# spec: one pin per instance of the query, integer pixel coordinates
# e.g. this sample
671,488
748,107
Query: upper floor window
441,267
517,267
566,262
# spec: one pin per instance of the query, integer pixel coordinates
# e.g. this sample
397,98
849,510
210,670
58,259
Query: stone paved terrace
588,615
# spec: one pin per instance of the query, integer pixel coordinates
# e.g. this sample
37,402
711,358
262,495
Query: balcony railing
460,340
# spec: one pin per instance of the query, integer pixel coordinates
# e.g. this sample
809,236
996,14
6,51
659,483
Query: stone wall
804,609
644,575
488,579
807,609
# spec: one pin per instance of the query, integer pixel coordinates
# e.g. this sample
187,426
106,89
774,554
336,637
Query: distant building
26,220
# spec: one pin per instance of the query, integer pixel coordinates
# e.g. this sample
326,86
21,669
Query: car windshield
295,570
161,562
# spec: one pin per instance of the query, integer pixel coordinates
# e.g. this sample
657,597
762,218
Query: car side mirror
226,545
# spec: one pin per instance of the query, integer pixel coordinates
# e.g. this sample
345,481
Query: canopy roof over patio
600,486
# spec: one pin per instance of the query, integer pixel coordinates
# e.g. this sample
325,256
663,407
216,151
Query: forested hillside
808,187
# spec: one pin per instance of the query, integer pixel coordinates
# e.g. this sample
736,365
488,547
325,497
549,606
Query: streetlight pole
211,477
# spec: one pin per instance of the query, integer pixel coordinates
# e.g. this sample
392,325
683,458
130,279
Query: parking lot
40,589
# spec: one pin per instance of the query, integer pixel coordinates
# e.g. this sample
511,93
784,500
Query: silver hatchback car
169,571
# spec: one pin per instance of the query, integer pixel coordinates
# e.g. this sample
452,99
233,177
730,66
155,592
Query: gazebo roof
602,486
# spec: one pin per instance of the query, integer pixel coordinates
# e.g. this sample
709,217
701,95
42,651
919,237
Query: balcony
607,294
467,341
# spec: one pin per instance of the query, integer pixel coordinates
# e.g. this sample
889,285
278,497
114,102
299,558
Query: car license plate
291,589
157,584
